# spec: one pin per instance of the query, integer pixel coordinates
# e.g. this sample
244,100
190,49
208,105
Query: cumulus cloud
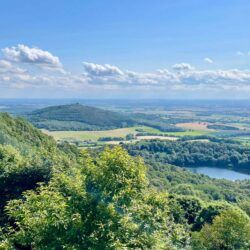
208,60
182,66
101,70
24,54
183,74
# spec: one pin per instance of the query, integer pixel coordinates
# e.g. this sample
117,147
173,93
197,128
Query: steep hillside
27,157
22,135
78,117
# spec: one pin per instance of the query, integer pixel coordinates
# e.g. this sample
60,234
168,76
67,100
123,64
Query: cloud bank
24,67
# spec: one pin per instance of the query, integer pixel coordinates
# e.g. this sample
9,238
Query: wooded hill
78,117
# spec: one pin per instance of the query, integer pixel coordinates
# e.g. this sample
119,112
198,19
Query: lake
220,173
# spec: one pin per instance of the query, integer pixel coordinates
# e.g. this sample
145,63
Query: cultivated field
95,135
200,126
90,135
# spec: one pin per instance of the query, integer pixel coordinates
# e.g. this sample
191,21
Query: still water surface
220,173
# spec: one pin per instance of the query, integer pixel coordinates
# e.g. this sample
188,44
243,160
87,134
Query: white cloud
17,71
24,54
208,60
111,77
101,70
182,66
5,64
185,75
7,67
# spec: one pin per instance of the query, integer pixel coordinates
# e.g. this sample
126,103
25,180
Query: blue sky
110,48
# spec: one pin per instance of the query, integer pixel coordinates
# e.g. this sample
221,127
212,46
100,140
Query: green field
122,132
94,135
188,133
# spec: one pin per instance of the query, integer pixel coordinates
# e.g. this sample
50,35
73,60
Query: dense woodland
60,197
194,153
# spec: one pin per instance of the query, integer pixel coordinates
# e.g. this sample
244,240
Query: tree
185,208
229,231
103,203
208,213
245,206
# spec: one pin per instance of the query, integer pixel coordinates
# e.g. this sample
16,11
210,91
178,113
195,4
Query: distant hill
78,117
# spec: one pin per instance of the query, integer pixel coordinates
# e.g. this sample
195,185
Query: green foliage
184,153
60,197
22,135
185,208
208,213
117,175
104,204
229,231
183,182
55,125
245,206
19,173
27,157
180,181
